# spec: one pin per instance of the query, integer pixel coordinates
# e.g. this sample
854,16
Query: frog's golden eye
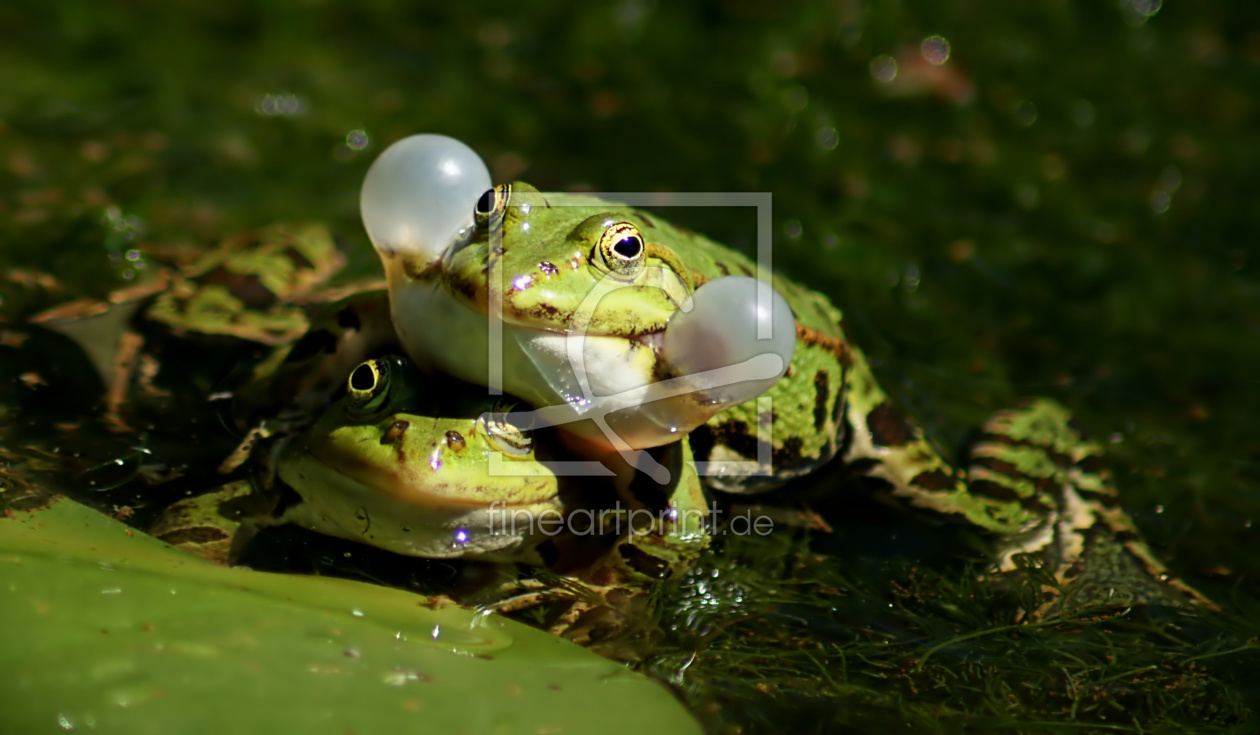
620,251
506,430
368,386
491,205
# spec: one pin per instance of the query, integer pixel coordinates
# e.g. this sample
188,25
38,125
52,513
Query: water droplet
356,613
826,137
357,140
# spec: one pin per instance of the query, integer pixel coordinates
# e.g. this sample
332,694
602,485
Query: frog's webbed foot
1086,549
600,617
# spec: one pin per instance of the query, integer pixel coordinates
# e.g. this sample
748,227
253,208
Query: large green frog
537,267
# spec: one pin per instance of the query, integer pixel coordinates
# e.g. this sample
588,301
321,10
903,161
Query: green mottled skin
1035,482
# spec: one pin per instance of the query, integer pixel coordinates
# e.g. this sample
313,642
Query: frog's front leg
1034,482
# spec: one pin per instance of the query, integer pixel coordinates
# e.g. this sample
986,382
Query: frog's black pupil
629,247
485,204
363,378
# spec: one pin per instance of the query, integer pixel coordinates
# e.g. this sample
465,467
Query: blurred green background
1066,206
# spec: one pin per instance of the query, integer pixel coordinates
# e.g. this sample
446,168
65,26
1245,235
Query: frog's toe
1114,574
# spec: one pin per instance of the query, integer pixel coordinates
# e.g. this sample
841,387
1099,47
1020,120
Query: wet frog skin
1035,483
255,287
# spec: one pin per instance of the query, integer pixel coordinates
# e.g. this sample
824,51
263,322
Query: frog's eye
491,205
368,386
620,250
507,430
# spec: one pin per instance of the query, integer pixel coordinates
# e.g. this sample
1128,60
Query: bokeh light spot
935,50
357,140
884,68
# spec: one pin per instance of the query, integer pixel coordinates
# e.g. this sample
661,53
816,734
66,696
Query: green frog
256,287
537,266
422,465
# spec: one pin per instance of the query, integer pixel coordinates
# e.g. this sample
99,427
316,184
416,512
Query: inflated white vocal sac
420,194
733,321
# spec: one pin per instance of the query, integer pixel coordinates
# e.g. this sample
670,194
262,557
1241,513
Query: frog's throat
344,507
441,331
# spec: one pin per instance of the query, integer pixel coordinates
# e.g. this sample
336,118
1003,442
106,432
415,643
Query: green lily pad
108,629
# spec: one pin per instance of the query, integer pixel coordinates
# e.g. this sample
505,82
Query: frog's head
571,300
557,262
450,479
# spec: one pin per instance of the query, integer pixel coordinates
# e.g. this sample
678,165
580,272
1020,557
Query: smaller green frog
422,465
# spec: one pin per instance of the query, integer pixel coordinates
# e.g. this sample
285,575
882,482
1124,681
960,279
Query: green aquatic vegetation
1078,227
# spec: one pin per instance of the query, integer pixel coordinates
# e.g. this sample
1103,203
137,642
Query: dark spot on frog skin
395,432
1057,457
644,219
935,480
455,440
1001,467
702,442
723,269
548,268
888,426
822,393
298,258
998,491
991,489
835,345
312,343
789,455
734,434
348,318
643,562
540,311
247,287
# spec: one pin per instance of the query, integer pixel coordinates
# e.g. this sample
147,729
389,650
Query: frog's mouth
577,372
426,516
414,479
